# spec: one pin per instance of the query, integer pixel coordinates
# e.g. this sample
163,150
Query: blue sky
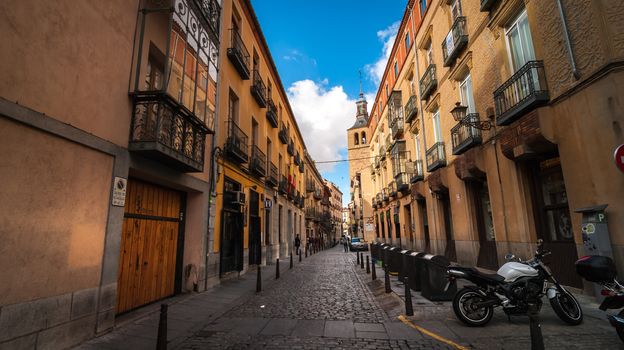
319,47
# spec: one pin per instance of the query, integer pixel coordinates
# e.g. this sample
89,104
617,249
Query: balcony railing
297,159
310,213
418,174
378,199
272,178
283,134
455,41
523,92
428,82
291,147
382,152
258,161
389,143
236,143
465,136
238,55
271,113
392,188
164,132
396,125
301,167
317,194
401,172
411,111
283,185
436,158
385,194
211,11
486,5
309,186
258,89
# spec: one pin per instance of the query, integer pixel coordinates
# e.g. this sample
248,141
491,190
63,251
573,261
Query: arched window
363,138
356,139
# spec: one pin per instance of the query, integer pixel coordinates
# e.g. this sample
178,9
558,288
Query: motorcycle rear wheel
567,308
463,306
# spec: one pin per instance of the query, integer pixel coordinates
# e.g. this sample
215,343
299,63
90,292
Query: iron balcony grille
236,143
523,92
258,89
378,199
258,161
291,147
464,136
283,134
487,5
428,82
211,11
436,157
411,111
389,142
396,125
272,178
455,41
392,188
271,112
164,131
283,185
297,159
384,194
310,213
317,194
301,168
418,172
401,170
309,186
238,55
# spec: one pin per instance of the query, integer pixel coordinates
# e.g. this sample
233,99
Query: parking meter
595,232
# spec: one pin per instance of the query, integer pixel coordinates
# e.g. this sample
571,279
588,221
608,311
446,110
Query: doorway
449,250
488,255
231,230
255,244
422,212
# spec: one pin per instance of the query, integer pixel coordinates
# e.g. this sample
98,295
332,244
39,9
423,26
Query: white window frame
462,98
522,15
437,128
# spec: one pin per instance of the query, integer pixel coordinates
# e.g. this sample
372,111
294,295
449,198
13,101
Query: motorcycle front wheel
466,310
567,308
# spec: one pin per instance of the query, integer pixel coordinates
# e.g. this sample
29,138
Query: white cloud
386,36
323,114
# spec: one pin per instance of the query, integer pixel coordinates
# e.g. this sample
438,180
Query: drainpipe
566,36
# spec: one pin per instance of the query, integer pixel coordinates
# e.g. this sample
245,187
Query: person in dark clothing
297,244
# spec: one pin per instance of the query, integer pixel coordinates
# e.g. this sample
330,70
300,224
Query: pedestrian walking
297,244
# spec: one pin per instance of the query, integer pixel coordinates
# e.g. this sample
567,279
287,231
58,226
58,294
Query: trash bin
434,284
374,250
405,266
385,254
394,260
413,272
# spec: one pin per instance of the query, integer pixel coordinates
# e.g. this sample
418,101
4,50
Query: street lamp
459,114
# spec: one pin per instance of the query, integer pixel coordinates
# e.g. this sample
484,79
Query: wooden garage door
149,243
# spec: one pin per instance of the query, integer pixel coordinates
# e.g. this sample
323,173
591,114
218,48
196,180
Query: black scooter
601,270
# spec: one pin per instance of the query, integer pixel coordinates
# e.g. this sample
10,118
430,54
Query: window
417,147
423,7
456,9
279,165
465,94
436,126
407,41
269,89
268,150
254,132
396,69
429,55
363,138
387,93
519,42
233,107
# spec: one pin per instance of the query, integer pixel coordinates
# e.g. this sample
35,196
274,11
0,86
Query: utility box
596,239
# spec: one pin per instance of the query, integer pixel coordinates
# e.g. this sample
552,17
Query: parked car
357,244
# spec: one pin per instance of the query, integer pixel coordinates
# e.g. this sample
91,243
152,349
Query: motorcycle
518,287
601,270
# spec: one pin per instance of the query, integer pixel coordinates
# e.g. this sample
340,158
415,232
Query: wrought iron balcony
211,11
258,89
389,143
418,174
379,199
290,191
238,55
396,125
283,134
310,213
428,82
436,158
164,131
487,5
318,195
455,41
465,136
291,147
523,92
402,171
301,167
411,111
236,143
309,186
297,159
382,152
385,194
325,201
258,161
271,113
392,188
283,185
271,180
377,161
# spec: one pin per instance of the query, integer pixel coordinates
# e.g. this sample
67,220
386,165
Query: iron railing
258,161
236,143
464,136
283,134
392,189
401,172
523,92
291,147
318,195
385,194
310,213
301,167
238,55
436,158
428,82
211,11
418,174
297,159
272,178
283,185
389,143
396,124
411,111
382,152
310,186
455,41
258,89
271,113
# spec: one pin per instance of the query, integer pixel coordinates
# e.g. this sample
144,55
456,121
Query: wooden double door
150,245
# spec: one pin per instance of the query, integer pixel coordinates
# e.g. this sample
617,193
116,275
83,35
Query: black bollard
277,268
306,252
373,272
358,258
537,341
291,265
259,280
387,279
362,261
161,341
409,309
367,264
300,256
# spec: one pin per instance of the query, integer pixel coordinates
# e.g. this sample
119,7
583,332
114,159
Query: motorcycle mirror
509,257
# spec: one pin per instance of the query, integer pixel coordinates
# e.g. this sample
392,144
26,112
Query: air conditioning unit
238,197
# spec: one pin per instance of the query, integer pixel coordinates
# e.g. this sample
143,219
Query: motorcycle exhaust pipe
487,303
456,273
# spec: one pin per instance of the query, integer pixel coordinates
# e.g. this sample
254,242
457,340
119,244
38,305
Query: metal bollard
409,309
373,272
358,258
306,252
291,264
387,279
537,340
161,341
277,268
300,256
362,261
367,264
259,280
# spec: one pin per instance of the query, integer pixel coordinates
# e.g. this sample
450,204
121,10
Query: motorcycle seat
492,277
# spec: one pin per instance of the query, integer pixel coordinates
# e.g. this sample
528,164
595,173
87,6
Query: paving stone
279,326
309,328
